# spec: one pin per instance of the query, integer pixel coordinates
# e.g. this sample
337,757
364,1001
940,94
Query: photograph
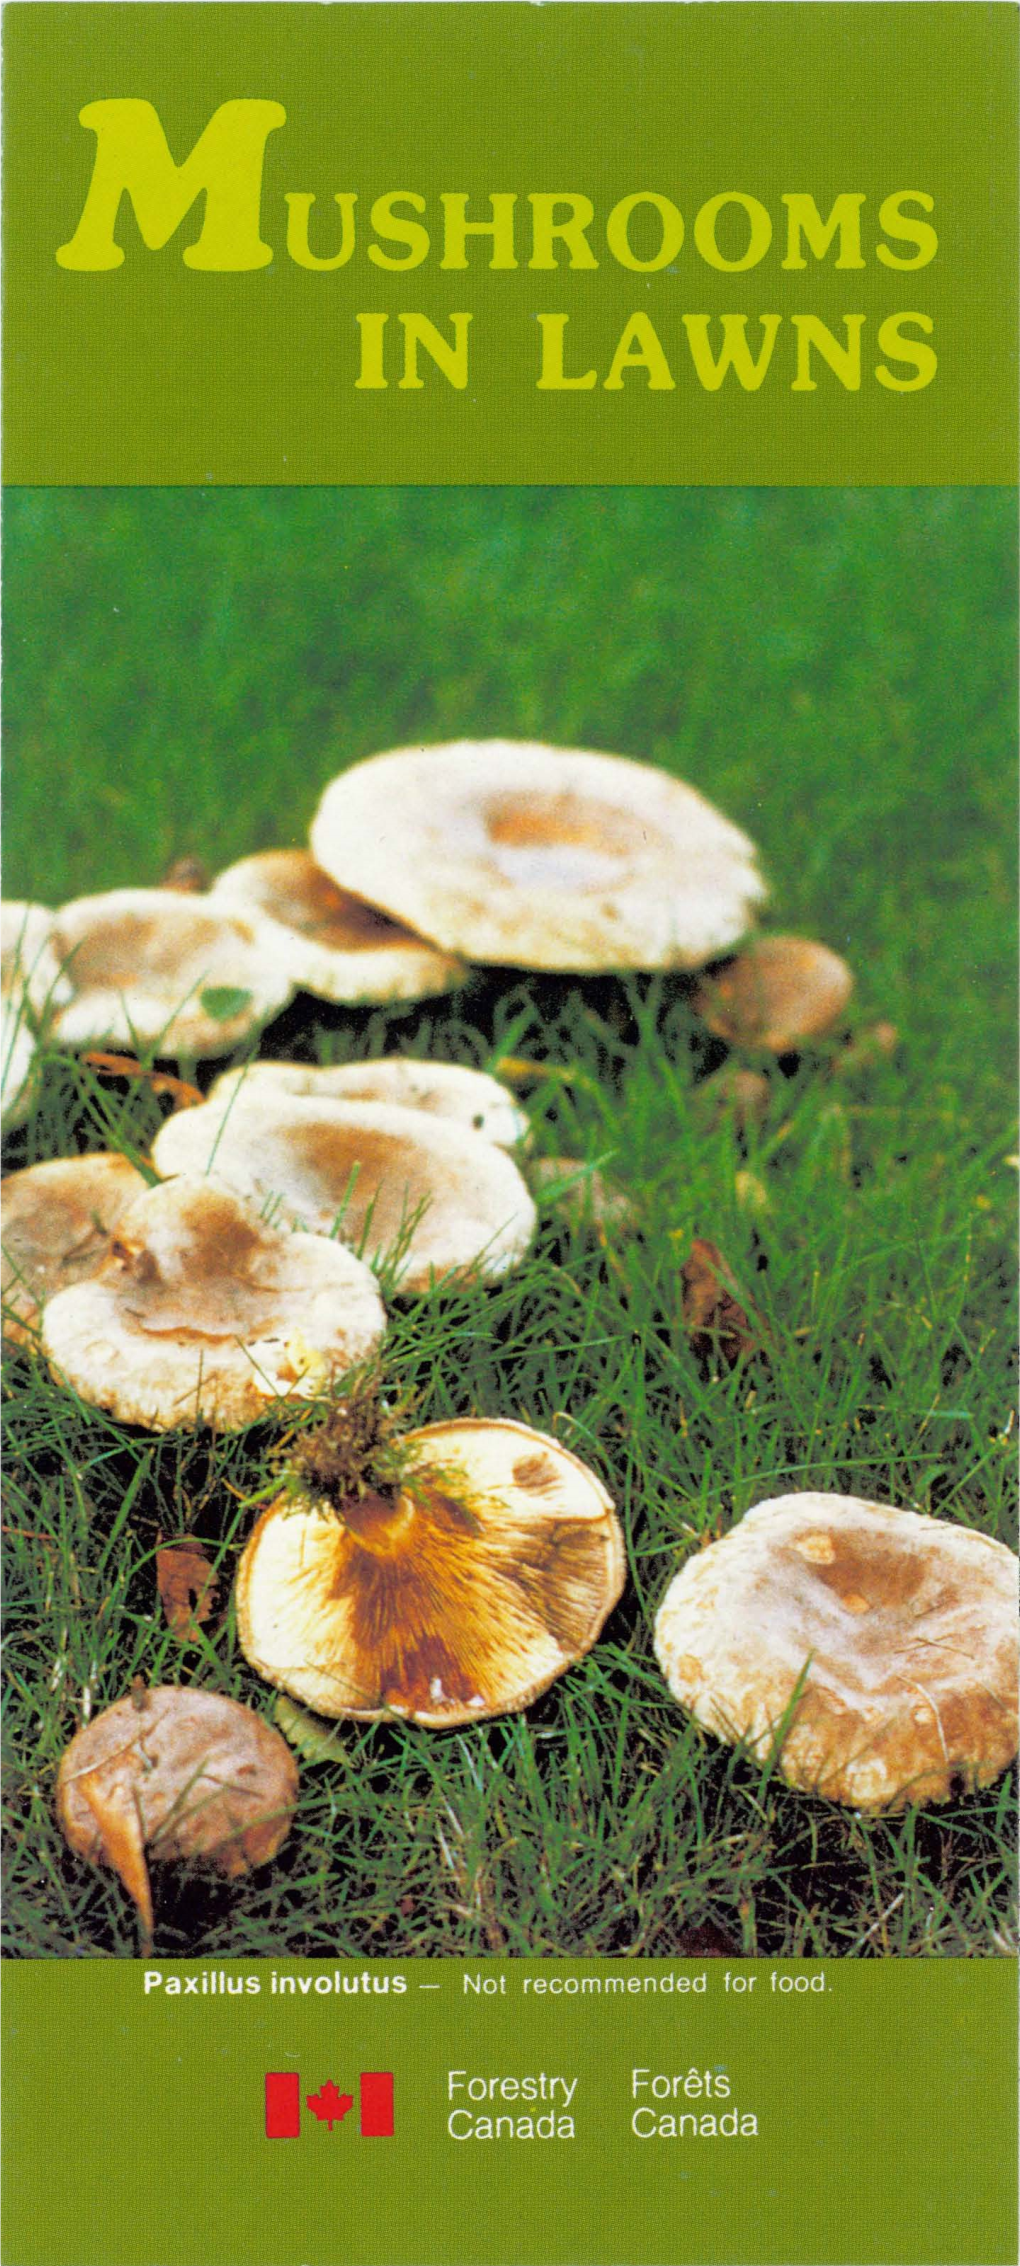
509,1199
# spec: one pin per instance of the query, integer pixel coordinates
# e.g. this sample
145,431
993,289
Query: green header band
875,2091
660,244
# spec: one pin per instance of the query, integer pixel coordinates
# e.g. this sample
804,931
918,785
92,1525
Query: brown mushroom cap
188,1775
58,1219
540,857
204,1314
153,967
442,1089
736,1095
433,1198
884,1641
462,1595
777,992
333,944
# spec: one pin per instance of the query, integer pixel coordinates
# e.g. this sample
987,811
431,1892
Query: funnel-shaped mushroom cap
540,857
777,992
153,967
428,1196
461,1595
203,1313
331,943
878,1646
187,1776
442,1089
58,1219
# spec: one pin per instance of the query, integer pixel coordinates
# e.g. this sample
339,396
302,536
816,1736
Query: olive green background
880,2104
155,373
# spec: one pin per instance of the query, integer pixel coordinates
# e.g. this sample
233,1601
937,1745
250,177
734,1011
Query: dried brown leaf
161,1081
187,1586
718,1325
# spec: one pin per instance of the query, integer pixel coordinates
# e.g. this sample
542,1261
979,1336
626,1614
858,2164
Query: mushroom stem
382,1524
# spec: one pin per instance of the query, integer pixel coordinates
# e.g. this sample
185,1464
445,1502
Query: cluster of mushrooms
453,1573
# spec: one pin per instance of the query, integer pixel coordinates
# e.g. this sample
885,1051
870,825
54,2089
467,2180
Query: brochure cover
509,1145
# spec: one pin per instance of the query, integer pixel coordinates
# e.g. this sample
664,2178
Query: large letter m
132,155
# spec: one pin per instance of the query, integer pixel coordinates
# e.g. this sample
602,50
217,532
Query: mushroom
777,992
17,1067
442,1089
461,1591
332,944
30,983
188,1776
203,1313
584,1194
58,1219
428,1196
540,857
159,968
873,1650
29,965
735,1096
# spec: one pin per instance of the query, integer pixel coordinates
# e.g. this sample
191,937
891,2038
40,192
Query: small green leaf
314,1736
224,1001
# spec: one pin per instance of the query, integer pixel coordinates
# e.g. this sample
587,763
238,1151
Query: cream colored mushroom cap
18,1067
777,992
491,1573
58,1219
540,857
139,961
31,985
29,967
333,944
441,1089
205,1315
885,1640
427,1196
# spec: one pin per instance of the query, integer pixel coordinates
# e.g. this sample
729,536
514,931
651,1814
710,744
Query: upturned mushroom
540,857
186,1776
461,1591
442,1089
873,1650
777,993
202,1313
58,1222
159,968
333,944
430,1198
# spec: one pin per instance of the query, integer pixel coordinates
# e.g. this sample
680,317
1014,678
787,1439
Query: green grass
184,672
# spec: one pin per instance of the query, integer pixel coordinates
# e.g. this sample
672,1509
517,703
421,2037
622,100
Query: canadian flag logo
329,2106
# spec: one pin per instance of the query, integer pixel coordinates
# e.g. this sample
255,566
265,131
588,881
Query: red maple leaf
328,2105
